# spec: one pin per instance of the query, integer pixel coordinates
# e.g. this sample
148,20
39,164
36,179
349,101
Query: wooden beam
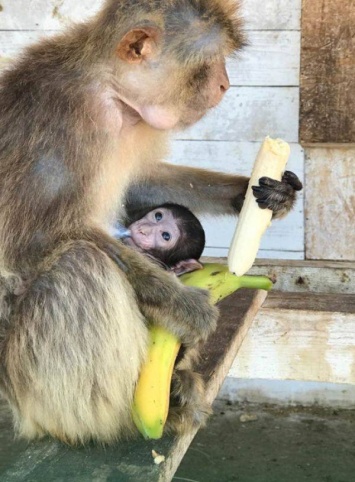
302,337
330,203
327,71
330,303
337,277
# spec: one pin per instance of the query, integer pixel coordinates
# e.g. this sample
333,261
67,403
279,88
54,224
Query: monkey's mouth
190,119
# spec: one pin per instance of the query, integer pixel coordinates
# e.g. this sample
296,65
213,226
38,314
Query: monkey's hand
184,311
197,310
279,196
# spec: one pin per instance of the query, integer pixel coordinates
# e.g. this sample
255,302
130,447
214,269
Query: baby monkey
170,234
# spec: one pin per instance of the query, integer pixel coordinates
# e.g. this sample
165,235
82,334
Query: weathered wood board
272,14
272,58
327,72
53,14
303,276
289,392
242,116
49,461
330,203
301,336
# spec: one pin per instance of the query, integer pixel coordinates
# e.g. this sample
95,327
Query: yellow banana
151,398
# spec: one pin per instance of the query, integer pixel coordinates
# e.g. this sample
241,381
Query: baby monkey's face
156,230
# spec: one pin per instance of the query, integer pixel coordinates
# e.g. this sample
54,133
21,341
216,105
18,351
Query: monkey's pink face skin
156,230
159,117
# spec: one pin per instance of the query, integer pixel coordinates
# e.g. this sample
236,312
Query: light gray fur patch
208,41
52,176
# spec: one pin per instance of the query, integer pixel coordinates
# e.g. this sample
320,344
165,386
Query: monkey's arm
200,190
210,192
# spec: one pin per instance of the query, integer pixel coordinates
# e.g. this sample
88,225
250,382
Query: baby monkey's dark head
170,233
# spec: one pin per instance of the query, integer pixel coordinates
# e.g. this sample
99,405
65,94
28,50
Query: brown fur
74,301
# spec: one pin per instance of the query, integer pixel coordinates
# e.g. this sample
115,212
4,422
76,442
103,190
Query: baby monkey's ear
139,44
185,266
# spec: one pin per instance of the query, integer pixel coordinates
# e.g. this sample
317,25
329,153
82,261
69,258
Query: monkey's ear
186,266
139,44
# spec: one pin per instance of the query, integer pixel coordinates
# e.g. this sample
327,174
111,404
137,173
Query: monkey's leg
73,352
188,406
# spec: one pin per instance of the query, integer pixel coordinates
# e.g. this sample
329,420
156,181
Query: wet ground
274,445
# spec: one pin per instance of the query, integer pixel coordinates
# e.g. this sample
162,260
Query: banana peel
151,399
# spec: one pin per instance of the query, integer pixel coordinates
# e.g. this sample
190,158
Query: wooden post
328,72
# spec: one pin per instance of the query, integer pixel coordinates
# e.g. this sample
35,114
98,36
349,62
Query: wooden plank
53,14
289,392
44,14
269,254
327,71
129,461
291,340
327,302
285,237
249,114
228,156
272,14
330,203
304,276
272,58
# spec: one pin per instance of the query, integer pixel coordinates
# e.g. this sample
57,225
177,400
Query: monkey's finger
291,178
274,199
258,191
262,204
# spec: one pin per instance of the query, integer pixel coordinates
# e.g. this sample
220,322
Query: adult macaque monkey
83,121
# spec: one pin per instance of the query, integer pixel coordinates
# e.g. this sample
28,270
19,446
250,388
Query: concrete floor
281,445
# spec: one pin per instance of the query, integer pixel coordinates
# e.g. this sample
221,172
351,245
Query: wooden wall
263,100
327,127
328,72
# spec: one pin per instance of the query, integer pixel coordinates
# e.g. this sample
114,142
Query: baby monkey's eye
159,216
166,236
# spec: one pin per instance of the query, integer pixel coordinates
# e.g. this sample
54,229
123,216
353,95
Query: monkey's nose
224,87
224,81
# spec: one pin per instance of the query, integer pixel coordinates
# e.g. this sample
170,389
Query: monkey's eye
158,216
166,236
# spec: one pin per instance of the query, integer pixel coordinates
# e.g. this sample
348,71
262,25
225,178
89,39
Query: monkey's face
172,74
157,230
168,96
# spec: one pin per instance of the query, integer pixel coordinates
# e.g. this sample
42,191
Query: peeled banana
253,221
151,398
